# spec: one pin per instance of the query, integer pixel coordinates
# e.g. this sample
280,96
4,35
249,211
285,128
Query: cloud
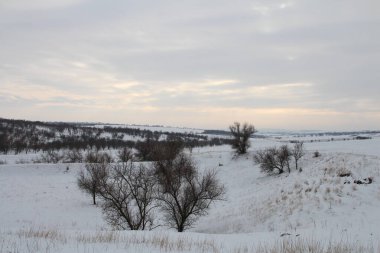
266,8
198,58
31,5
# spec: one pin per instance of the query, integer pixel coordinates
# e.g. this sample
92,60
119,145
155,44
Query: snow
156,128
315,204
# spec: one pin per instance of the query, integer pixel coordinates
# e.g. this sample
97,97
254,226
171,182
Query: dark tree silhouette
91,178
273,159
128,196
267,159
183,194
284,156
298,152
125,154
241,135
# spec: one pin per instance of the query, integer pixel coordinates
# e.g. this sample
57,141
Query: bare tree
97,157
272,159
91,178
125,154
183,194
268,161
151,150
73,156
241,135
5,143
298,152
284,156
167,150
144,149
128,197
50,157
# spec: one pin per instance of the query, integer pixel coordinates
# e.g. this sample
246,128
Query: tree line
33,136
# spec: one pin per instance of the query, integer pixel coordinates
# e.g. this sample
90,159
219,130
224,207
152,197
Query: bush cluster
278,160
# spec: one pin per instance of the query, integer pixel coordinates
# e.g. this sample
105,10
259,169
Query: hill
331,206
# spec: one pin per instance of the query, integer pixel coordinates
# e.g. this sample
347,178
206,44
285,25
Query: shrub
49,157
272,159
284,156
98,157
73,156
343,172
22,161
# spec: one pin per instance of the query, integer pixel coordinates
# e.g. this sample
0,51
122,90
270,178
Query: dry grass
325,189
32,241
48,234
99,237
163,242
343,172
312,246
22,161
49,241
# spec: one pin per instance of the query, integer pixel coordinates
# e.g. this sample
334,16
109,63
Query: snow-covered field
42,209
156,128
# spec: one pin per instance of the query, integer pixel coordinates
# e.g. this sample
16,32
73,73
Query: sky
287,64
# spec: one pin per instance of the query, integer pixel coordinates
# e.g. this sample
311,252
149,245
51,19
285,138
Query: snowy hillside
42,209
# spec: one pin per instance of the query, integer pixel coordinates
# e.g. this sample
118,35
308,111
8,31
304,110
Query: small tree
183,194
125,154
90,179
298,152
241,135
128,195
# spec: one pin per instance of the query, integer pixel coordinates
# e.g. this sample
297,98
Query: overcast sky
307,64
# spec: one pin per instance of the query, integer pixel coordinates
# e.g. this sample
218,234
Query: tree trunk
180,228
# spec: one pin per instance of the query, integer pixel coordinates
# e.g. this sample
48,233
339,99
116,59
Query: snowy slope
315,204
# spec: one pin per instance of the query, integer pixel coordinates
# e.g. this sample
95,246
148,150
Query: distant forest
33,136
